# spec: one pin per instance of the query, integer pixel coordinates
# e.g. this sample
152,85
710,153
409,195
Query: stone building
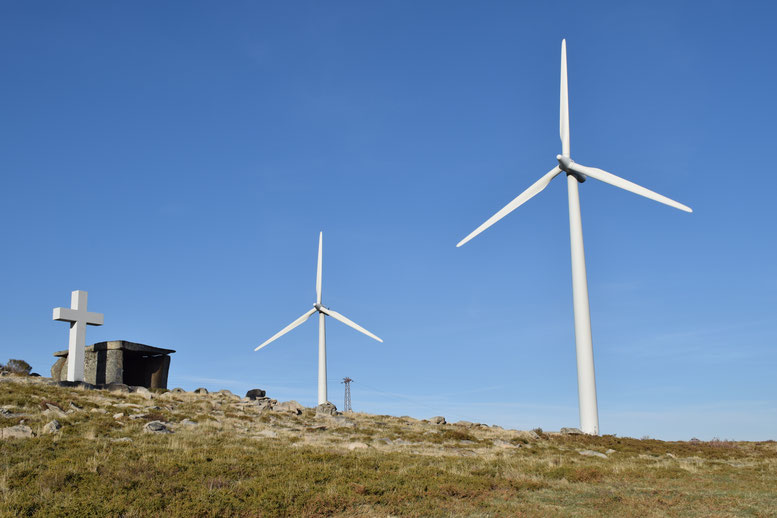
119,361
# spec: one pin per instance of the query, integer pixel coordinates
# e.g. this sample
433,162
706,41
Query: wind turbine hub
565,164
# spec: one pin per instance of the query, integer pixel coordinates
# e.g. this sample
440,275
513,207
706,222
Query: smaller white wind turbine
322,313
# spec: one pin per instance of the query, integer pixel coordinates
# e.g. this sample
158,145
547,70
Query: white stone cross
78,317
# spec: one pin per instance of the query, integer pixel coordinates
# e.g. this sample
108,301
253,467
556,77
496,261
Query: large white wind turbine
322,313
576,173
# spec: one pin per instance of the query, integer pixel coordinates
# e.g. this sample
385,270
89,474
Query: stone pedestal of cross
78,317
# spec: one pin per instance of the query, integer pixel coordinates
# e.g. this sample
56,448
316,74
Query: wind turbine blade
348,322
288,328
522,198
564,111
604,176
319,268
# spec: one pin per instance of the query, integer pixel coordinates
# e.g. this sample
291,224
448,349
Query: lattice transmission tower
347,403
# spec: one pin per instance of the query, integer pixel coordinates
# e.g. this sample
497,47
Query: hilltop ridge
72,451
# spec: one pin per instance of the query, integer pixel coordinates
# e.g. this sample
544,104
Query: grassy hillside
227,457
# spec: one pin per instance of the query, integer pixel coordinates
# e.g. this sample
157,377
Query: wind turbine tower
576,174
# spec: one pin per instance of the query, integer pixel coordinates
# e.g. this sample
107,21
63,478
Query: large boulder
526,435
438,419
291,407
201,390
326,409
571,431
255,394
56,369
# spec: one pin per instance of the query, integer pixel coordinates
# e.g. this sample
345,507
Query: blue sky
177,161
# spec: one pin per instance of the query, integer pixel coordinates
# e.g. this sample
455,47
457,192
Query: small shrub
19,367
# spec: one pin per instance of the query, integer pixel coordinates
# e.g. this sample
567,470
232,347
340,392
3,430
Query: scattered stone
177,390
52,426
122,439
671,456
401,442
499,443
254,394
591,453
54,411
4,412
268,433
143,391
157,427
189,422
75,408
465,453
571,431
356,446
529,435
75,384
118,415
339,421
118,388
465,424
137,416
201,390
291,407
20,431
227,393
384,440
99,411
263,404
694,440
466,441
609,451
438,419
326,409
127,405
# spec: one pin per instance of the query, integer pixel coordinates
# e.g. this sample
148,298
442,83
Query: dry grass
238,461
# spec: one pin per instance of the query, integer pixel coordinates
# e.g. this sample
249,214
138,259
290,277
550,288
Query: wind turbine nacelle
565,164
